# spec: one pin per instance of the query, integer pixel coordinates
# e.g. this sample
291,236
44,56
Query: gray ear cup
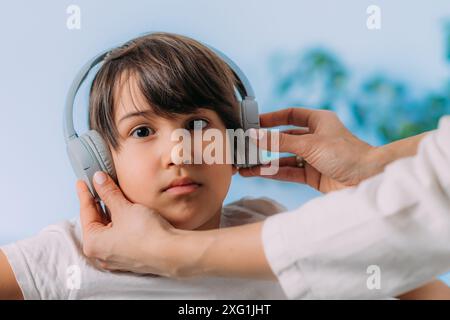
249,119
101,151
84,162
249,114
88,154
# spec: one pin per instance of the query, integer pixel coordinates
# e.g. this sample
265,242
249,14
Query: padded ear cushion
99,146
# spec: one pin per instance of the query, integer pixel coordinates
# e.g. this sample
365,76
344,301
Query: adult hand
139,240
134,235
334,157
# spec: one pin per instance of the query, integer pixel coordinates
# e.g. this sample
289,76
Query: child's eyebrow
146,113
149,114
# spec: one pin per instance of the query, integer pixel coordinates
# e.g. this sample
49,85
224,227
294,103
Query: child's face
145,169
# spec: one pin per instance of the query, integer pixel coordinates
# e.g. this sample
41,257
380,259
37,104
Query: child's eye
197,124
142,132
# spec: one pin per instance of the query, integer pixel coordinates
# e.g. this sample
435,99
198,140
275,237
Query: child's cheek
219,176
137,177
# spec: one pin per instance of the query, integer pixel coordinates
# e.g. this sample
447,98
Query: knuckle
110,193
309,145
87,203
329,113
291,115
283,142
89,250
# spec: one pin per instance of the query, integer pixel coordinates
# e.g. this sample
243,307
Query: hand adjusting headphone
89,152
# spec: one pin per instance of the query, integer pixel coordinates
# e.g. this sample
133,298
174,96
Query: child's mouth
182,186
184,189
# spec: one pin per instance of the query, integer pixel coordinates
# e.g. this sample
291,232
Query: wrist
375,161
379,157
185,251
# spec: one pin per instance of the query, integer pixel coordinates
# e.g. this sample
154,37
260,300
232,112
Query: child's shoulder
41,262
249,210
65,228
63,236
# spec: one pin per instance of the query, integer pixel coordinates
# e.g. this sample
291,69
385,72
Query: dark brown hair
175,74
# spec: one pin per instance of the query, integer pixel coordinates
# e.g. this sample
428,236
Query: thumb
109,192
90,216
276,141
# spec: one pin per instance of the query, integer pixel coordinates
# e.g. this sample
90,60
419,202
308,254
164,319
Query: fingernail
99,177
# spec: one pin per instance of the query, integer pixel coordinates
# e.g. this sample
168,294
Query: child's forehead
128,97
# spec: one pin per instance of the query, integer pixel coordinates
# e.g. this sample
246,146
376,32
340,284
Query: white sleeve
41,263
397,221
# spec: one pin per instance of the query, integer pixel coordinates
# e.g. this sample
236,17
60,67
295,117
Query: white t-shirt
51,265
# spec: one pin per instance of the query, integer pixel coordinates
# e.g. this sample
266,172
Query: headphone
90,153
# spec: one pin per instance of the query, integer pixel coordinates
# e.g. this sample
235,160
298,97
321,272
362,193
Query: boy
141,94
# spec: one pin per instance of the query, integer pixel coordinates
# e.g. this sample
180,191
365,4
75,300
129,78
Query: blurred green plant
380,107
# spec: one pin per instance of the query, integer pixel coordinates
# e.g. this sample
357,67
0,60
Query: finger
110,193
297,131
286,162
90,215
280,162
307,175
291,174
291,116
277,141
312,177
110,266
100,263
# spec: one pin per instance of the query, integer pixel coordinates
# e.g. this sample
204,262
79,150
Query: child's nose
177,148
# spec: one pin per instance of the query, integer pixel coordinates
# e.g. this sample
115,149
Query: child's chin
185,222
191,216
185,226
191,224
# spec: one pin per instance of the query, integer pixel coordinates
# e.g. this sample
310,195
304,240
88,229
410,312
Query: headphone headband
69,129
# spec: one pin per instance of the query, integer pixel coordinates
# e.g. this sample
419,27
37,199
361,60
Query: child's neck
213,223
